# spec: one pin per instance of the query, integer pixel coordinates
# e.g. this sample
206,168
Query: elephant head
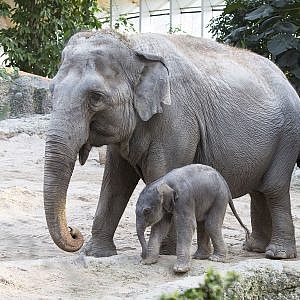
153,203
102,90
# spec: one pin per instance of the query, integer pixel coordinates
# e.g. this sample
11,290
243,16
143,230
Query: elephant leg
158,232
168,246
203,241
213,226
276,190
119,181
185,226
282,244
261,224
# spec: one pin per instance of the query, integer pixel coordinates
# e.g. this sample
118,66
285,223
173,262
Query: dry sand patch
32,267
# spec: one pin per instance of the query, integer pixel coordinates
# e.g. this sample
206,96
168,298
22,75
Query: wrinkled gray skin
161,102
194,195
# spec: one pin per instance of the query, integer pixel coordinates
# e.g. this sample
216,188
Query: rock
29,94
267,279
259,279
4,98
31,125
26,95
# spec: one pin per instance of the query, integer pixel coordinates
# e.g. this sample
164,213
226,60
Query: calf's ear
153,87
167,196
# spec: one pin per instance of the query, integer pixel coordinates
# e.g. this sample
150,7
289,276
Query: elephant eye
146,211
96,100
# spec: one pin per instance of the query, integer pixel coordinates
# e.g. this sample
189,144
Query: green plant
9,73
269,28
4,9
214,288
122,24
233,19
41,29
174,30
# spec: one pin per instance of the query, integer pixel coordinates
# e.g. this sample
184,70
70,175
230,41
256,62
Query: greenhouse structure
187,16
162,16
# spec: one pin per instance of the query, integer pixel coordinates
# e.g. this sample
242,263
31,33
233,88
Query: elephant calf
194,193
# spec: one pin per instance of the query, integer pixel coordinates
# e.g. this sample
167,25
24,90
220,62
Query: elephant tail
239,219
298,161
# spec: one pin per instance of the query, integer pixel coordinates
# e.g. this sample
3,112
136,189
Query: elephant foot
180,268
218,258
96,248
150,260
275,251
200,254
255,244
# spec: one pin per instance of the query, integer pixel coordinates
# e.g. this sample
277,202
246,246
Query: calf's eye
146,211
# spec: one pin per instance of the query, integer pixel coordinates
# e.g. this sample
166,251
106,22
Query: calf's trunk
140,229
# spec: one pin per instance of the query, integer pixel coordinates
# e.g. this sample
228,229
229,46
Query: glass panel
159,23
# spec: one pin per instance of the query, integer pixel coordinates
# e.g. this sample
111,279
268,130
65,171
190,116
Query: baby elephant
194,193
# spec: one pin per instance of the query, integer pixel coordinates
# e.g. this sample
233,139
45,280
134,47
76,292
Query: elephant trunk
140,229
59,165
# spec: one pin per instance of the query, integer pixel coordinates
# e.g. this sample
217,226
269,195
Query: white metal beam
110,14
174,14
202,17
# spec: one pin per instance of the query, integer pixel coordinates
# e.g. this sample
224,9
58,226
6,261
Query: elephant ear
153,87
167,196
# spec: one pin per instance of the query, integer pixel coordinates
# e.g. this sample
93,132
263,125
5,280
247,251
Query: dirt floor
32,267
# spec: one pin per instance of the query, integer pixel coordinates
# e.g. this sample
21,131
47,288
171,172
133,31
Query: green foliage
9,73
123,25
214,288
42,28
232,18
4,9
269,28
176,29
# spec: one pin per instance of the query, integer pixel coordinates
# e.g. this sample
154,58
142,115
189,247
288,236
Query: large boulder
258,279
26,95
4,98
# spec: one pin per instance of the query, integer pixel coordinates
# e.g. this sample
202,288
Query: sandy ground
32,267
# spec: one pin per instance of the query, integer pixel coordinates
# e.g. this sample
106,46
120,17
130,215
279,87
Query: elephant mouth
99,136
95,131
96,137
84,153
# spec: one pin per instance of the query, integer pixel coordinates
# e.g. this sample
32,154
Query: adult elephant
162,102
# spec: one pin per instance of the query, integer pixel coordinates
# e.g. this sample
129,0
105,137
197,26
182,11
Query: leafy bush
176,29
122,24
41,28
214,288
269,28
9,73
